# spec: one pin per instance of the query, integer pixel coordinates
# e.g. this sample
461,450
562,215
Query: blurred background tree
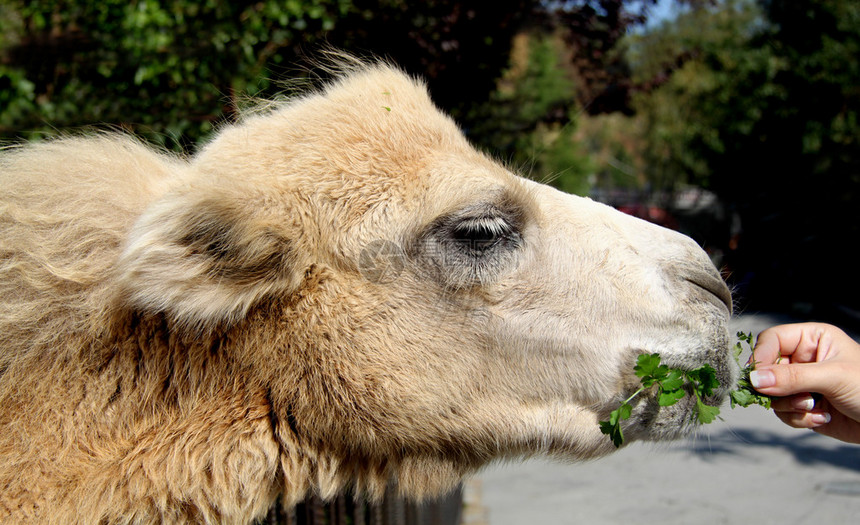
759,102
735,121
166,70
172,69
142,63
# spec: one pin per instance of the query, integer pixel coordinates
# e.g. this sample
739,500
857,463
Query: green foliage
672,385
746,395
169,70
172,70
705,82
530,119
757,102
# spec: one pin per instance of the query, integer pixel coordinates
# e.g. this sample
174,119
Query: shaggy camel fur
187,340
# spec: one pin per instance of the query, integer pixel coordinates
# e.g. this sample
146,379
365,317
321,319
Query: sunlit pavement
748,468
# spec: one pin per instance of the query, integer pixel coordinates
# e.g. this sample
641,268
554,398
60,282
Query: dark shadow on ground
806,447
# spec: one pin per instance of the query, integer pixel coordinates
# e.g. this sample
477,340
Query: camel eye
473,247
479,235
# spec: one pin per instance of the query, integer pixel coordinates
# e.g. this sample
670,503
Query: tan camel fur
334,293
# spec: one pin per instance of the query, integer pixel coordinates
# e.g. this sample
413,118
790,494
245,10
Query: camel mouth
652,422
726,371
680,420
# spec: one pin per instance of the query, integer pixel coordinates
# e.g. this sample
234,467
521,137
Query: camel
335,293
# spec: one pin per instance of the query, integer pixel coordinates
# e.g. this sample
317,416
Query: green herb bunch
670,382
746,395
673,384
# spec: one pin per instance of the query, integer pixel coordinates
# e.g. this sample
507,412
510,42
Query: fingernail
804,403
762,378
820,418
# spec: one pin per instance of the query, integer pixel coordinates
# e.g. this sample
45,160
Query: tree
143,63
759,103
171,70
530,118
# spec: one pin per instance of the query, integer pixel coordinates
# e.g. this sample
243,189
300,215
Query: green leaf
675,383
624,411
613,431
612,427
646,364
745,395
746,337
674,380
705,413
648,367
670,397
613,417
737,350
704,379
742,398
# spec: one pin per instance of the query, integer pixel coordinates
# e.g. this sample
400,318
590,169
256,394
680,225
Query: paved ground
749,468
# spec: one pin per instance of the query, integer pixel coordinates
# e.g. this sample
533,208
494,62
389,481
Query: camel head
414,308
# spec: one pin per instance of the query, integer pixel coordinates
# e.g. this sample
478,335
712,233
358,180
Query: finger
813,419
800,403
781,360
804,342
788,379
768,346
841,427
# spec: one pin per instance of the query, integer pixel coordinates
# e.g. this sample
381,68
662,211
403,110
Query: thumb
783,380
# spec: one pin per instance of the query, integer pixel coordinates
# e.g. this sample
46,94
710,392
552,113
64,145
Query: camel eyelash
472,246
479,235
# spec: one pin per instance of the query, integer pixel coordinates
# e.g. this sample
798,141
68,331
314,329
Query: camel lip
713,290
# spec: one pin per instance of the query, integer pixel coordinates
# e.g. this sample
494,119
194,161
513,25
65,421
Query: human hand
796,360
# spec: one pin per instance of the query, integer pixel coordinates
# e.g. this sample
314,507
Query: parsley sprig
746,395
674,383
671,383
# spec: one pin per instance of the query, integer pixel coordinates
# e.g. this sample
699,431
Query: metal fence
392,510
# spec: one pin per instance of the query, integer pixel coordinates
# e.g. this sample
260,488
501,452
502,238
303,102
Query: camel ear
205,261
